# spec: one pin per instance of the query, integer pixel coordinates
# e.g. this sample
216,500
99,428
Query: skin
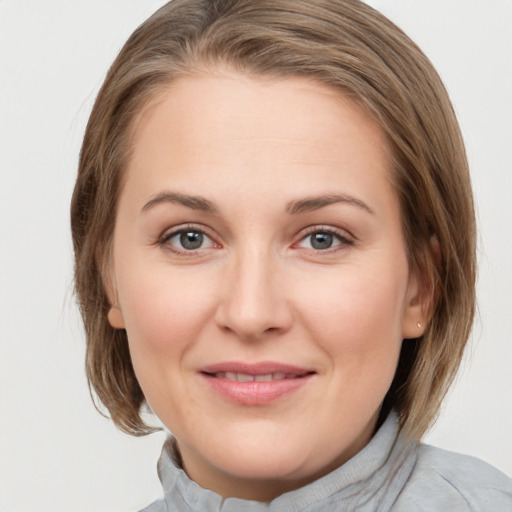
257,289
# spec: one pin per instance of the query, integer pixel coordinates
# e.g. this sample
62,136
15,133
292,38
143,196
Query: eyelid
343,237
183,228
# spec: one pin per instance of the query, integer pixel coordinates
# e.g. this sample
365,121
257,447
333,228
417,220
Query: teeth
263,378
243,377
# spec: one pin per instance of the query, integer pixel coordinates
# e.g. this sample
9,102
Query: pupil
191,240
321,240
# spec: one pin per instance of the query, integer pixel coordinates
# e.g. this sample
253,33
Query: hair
346,45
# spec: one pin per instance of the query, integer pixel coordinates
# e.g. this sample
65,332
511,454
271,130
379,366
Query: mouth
267,377
255,384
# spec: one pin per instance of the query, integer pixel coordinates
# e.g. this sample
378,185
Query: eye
187,240
323,240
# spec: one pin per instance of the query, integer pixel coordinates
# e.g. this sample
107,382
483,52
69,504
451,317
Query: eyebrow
193,202
315,203
294,207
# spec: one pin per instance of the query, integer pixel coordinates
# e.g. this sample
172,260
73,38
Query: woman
275,249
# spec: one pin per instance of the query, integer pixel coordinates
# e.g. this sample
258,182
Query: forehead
224,96
255,133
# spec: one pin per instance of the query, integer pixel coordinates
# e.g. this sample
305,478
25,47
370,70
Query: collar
371,480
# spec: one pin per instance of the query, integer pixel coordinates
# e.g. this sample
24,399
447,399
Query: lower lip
255,392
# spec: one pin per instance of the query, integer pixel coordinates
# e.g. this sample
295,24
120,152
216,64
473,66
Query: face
260,273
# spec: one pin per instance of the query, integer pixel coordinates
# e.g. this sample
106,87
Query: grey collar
371,481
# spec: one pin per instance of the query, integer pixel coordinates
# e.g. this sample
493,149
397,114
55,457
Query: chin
276,459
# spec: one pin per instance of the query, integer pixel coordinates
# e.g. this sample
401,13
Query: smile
255,384
245,377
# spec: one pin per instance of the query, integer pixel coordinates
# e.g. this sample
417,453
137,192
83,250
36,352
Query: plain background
56,453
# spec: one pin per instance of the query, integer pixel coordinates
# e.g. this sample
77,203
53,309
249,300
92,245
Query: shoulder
444,480
156,506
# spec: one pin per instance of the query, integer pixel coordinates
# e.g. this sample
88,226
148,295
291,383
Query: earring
419,325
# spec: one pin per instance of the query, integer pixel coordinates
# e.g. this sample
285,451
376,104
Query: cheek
359,314
163,311
164,316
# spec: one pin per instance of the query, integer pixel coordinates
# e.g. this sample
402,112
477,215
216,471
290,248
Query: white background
56,453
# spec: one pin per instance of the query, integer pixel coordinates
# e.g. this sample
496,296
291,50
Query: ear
415,314
422,294
115,317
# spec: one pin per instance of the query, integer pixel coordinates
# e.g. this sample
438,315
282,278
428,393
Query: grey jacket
391,474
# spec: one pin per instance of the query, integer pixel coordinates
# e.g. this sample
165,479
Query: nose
253,303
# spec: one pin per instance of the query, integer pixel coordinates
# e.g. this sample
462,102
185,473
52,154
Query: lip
255,392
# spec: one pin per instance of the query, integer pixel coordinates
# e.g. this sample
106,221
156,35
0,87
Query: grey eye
191,240
184,240
321,241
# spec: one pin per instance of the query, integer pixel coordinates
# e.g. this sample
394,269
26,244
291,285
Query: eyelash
190,228
343,241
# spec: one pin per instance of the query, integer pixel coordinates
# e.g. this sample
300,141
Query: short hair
345,45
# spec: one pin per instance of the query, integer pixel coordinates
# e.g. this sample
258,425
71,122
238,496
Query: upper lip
260,368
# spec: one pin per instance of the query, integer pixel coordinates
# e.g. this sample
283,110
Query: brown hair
344,44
